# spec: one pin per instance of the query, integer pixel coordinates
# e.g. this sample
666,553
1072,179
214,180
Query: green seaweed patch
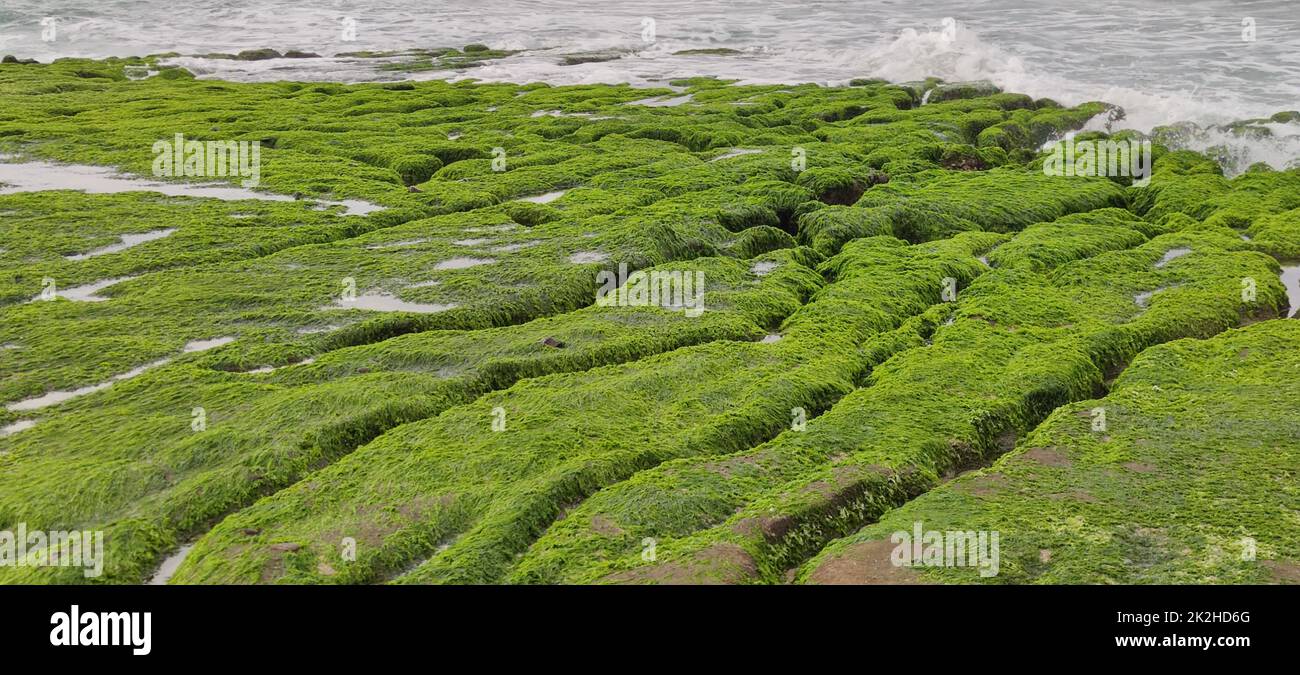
1133,500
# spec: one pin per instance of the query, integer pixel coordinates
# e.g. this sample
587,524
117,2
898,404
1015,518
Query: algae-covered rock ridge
467,332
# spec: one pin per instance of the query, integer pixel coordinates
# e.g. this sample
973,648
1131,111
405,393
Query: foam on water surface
1135,54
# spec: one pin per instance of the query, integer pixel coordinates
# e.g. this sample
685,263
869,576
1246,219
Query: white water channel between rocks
38,176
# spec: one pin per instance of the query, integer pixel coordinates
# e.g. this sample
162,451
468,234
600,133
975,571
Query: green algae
351,142
270,297
749,392
1186,483
1019,345
40,231
265,431
835,236
1045,246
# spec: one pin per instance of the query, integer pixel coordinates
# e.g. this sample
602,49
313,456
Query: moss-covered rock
1180,482
416,169
420,254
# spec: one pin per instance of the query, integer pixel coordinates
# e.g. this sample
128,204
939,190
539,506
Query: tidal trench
1111,374
41,176
1290,275
1004,440
38,176
382,303
173,561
